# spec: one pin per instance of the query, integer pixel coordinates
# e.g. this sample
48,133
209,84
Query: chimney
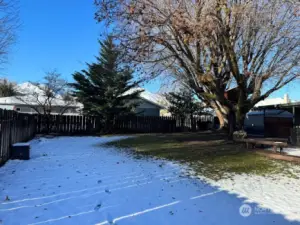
286,99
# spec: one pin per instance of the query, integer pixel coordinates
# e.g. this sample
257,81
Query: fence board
18,127
14,127
295,136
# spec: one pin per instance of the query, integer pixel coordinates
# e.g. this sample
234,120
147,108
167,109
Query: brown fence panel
17,127
14,127
147,124
295,136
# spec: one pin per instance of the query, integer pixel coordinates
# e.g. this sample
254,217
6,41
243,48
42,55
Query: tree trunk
47,123
240,120
182,119
241,110
231,124
222,119
108,124
193,124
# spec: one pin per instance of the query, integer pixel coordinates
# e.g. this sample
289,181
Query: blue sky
62,35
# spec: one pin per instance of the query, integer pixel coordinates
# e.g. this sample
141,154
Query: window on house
18,109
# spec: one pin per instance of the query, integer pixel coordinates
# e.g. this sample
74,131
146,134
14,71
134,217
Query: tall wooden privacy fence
88,125
14,127
66,124
17,127
295,136
149,124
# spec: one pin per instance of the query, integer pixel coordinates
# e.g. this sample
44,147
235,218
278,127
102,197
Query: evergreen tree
7,88
106,88
183,103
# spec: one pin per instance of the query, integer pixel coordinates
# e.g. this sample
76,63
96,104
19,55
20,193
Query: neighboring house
273,117
269,123
32,98
149,104
274,101
22,106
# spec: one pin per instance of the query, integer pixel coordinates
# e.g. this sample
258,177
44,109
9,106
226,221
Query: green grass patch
207,153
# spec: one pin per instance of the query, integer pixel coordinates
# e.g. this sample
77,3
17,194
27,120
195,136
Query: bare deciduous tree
211,46
8,24
48,97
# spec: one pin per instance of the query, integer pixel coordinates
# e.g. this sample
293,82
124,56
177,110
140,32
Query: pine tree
7,88
183,103
106,87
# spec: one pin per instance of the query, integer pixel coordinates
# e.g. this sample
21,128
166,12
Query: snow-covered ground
73,180
289,151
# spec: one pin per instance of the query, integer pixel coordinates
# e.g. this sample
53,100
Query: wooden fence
17,127
144,124
14,127
295,136
65,124
89,125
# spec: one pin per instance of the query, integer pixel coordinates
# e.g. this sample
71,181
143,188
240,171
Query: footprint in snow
97,207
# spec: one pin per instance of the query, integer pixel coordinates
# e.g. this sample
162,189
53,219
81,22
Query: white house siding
7,107
28,109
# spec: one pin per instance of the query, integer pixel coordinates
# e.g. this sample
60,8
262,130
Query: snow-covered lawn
289,151
73,180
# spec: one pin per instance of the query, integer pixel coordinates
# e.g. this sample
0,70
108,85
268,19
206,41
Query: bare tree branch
9,22
211,45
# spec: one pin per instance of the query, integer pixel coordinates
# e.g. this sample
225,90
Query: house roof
29,91
155,99
274,102
31,100
27,87
271,113
270,101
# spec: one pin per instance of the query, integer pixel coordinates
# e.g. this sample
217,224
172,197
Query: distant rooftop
156,99
275,101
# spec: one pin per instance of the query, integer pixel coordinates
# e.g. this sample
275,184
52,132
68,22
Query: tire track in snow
125,216
114,178
154,209
85,195
73,215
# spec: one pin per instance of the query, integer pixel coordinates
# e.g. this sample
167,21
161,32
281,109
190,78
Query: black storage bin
21,151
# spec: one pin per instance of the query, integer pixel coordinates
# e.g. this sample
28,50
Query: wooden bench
254,142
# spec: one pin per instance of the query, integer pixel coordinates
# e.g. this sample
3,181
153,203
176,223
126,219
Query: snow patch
75,180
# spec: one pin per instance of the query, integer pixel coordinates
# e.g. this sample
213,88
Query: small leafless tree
44,96
211,46
51,96
8,25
